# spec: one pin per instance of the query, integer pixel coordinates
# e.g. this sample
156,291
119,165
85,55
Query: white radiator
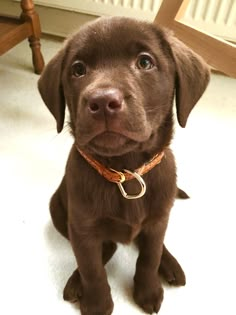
143,9
217,17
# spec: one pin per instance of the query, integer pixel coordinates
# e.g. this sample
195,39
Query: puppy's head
118,77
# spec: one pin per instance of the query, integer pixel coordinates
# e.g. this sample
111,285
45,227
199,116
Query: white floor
36,261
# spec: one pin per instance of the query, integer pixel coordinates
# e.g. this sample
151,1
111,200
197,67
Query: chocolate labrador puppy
118,77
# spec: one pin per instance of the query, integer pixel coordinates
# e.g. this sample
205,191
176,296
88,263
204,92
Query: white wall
60,17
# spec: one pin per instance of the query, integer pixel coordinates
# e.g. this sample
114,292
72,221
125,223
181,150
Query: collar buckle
122,176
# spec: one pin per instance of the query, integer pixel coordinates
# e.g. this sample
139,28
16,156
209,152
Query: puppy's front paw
87,309
149,295
94,301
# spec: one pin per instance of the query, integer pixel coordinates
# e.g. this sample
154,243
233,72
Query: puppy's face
109,78
118,78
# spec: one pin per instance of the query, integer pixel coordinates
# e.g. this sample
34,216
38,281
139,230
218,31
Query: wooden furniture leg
29,15
13,30
218,53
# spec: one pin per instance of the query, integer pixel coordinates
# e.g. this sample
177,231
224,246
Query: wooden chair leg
169,11
29,15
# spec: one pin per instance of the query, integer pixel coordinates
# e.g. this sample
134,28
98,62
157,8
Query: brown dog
118,77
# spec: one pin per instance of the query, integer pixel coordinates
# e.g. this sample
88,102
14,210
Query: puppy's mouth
112,140
111,143
109,140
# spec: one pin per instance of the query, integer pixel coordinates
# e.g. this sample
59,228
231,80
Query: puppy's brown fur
118,77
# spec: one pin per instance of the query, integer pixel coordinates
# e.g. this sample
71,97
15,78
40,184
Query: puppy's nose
107,101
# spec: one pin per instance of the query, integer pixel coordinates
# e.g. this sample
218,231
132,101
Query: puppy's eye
145,62
78,69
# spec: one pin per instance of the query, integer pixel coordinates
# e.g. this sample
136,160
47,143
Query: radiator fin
217,17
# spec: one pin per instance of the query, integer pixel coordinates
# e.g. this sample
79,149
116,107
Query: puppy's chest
110,201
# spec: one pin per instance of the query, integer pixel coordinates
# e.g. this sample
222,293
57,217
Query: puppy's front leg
148,292
96,296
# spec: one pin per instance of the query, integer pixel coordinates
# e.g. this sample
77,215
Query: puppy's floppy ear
51,90
192,77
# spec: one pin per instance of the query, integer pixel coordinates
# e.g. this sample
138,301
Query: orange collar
120,177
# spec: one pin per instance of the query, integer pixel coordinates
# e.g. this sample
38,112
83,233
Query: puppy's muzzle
105,102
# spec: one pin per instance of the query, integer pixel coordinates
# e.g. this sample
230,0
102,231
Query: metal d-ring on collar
122,180
111,174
